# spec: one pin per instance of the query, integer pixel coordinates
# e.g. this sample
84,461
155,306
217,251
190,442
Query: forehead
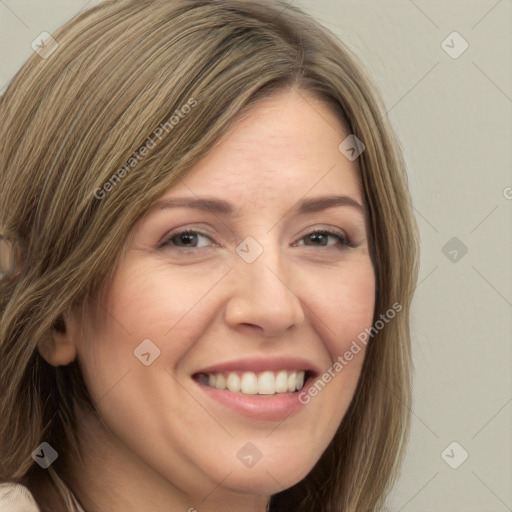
282,149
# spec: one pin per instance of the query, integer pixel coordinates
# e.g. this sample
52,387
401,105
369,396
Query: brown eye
187,239
321,238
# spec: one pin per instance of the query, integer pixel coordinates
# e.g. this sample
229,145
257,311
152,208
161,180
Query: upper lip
261,364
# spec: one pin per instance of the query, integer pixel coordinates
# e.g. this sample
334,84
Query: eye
190,239
320,238
187,239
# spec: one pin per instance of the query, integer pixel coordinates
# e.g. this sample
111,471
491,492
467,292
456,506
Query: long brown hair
71,120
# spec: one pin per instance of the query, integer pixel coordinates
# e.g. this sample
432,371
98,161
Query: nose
262,297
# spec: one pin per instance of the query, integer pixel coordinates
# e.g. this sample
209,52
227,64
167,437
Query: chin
279,468
266,480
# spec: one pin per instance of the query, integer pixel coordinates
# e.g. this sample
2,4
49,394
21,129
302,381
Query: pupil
317,237
187,238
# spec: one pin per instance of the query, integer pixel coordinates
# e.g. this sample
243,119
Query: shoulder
16,498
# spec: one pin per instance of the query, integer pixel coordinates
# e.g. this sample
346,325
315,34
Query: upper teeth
250,383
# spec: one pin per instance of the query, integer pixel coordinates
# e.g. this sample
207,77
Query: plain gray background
454,119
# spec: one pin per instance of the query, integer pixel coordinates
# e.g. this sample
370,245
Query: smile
251,383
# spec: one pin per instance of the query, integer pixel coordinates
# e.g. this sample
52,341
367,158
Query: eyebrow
220,206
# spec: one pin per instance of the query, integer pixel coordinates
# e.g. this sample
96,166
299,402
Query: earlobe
59,348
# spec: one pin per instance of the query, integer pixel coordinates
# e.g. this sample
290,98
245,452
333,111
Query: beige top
17,498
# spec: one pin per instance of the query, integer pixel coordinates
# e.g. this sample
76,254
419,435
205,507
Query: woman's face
249,297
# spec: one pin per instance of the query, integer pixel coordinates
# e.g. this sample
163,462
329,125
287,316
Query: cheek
345,304
149,301
342,304
152,298
144,302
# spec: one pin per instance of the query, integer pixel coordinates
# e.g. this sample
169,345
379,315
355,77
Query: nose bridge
264,263
263,294
266,278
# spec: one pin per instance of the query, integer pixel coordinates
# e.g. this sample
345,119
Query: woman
209,257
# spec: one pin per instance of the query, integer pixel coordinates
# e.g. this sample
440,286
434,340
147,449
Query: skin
162,444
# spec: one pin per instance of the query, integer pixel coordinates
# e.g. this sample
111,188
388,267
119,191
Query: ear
59,348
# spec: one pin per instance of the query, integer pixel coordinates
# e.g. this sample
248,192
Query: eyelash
343,240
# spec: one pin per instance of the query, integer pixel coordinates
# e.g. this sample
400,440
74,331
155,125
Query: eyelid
330,230
182,231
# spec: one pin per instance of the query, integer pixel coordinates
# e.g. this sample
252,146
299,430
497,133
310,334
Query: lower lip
275,407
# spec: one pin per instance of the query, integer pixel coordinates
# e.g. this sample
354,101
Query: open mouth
256,383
